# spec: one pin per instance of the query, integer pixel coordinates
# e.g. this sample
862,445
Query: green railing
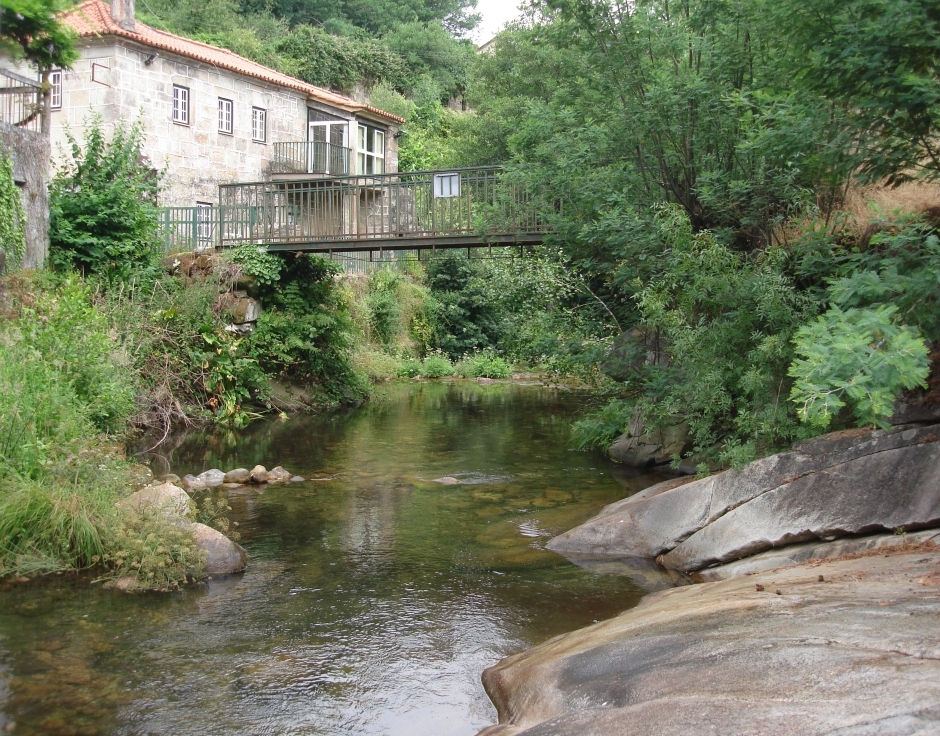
199,228
459,208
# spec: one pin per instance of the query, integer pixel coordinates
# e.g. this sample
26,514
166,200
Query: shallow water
375,596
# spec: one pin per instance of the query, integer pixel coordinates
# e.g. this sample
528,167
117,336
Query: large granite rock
843,483
223,556
847,647
165,498
797,554
893,488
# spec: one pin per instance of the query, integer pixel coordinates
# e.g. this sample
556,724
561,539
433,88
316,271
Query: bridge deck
462,208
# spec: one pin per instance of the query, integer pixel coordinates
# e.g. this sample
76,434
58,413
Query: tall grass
64,393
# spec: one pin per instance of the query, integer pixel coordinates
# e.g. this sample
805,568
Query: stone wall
112,79
29,152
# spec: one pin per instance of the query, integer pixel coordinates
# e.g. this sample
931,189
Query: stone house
209,115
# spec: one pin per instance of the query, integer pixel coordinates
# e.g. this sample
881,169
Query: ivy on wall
12,216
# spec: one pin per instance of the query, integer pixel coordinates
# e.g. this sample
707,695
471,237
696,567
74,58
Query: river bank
820,617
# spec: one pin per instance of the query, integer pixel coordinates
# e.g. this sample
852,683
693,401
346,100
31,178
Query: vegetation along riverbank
738,258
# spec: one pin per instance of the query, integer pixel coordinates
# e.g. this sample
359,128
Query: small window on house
259,127
225,116
371,151
55,91
180,104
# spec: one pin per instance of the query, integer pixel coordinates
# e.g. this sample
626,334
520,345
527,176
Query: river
374,597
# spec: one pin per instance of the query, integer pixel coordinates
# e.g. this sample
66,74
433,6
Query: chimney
122,13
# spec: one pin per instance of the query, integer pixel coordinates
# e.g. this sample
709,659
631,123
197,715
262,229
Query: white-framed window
55,91
371,151
259,124
180,104
225,116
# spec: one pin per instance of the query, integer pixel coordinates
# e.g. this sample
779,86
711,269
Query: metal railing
310,157
21,102
189,228
399,211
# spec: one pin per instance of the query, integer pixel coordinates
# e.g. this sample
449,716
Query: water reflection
375,596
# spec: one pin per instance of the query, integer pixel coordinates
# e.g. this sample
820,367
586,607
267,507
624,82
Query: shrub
483,365
257,262
602,427
410,368
384,305
727,321
376,365
12,217
465,319
72,335
860,357
153,548
103,206
436,365
305,329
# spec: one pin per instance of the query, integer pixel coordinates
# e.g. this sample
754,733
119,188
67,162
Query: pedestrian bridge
461,208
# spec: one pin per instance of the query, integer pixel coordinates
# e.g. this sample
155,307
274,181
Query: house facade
210,116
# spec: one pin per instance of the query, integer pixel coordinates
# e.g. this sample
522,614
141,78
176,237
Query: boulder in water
212,478
258,474
238,475
192,483
223,556
278,475
165,498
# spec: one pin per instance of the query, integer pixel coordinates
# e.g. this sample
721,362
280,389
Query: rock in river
845,647
165,498
258,474
853,482
212,478
223,556
192,483
279,475
238,475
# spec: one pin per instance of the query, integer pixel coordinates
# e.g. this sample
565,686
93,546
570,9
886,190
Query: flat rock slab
777,653
892,488
852,482
797,554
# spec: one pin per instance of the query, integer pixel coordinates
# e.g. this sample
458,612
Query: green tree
30,29
103,206
879,61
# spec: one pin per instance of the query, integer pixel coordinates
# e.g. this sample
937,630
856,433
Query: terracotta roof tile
93,18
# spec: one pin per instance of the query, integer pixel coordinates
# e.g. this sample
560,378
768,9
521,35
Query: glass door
328,150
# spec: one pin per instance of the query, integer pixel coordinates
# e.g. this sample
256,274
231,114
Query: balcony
21,102
310,157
